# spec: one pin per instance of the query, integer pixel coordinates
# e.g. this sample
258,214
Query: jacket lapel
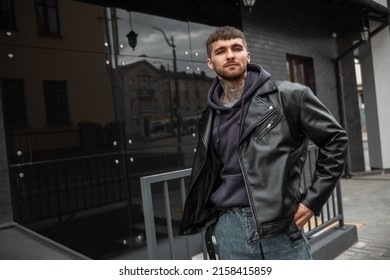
258,108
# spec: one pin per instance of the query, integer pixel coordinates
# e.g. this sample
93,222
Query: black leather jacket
272,150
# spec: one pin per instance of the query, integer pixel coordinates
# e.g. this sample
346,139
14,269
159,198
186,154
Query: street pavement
366,203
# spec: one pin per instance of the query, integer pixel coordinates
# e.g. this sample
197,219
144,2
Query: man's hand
302,215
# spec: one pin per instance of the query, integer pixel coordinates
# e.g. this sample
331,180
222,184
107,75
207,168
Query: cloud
189,39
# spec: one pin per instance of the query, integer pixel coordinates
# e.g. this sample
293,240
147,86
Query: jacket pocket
266,125
294,193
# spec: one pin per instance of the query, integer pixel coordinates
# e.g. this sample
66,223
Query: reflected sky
189,38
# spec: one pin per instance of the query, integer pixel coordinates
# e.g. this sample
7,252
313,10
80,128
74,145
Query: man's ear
210,64
248,55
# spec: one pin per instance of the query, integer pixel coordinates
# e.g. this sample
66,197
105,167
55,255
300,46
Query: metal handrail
146,191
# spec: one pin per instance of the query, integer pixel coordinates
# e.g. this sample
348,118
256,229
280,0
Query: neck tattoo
232,92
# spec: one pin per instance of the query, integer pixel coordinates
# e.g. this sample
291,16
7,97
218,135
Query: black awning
216,12
348,13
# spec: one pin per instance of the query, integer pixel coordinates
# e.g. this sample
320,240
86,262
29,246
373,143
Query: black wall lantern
364,33
132,38
249,4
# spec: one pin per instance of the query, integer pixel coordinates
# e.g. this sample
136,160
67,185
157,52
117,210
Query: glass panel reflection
94,116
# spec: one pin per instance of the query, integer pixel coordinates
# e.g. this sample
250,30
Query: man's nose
230,54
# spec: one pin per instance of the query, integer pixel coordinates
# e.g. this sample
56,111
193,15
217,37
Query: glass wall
93,99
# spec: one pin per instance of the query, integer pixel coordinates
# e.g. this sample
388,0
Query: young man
253,138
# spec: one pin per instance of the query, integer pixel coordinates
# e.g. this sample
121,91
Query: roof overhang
346,14
216,12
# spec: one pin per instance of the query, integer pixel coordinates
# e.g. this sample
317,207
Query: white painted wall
380,46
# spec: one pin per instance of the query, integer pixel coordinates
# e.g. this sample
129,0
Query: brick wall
277,29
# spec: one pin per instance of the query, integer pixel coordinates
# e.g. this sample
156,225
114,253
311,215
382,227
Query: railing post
169,219
340,205
150,230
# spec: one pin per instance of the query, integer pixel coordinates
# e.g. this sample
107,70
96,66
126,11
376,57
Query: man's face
229,59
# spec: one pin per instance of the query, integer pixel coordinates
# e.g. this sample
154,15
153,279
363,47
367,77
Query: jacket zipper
269,126
250,197
257,222
264,119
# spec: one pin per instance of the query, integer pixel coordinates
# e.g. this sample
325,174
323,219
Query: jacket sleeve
323,129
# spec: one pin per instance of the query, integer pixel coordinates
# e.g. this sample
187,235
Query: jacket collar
268,87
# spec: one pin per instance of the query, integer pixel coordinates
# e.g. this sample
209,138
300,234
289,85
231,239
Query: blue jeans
237,238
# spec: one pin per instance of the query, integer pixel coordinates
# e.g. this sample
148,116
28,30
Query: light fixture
249,4
132,36
364,34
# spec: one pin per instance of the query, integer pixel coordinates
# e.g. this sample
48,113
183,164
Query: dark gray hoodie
225,136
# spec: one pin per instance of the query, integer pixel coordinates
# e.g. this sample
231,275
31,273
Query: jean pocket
293,232
298,243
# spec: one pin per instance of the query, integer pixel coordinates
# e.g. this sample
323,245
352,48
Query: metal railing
332,211
331,214
42,140
57,187
146,191
53,188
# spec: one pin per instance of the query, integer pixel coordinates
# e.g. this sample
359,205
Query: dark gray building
76,133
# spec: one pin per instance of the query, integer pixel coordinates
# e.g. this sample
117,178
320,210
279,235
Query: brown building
51,63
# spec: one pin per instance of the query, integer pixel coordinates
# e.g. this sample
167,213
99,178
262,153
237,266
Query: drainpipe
340,83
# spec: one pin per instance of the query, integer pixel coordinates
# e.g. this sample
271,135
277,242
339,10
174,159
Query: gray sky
189,39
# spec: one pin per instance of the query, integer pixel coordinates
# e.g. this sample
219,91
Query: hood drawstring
218,120
239,122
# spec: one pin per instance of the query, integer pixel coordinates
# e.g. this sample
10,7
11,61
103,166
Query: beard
226,74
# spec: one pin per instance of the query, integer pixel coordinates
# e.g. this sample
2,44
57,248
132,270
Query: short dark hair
224,33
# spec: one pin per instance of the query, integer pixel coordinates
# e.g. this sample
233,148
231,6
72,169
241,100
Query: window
47,17
186,94
301,70
7,15
56,102
14,104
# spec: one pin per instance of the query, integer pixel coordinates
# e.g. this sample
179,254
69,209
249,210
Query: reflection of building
50,79
148,93
70,94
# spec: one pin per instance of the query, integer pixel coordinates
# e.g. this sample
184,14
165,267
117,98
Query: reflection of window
301,70
56,101
144,80
7,15
47,17
130,84
14,105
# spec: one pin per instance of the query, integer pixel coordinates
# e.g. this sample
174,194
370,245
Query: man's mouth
230,64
